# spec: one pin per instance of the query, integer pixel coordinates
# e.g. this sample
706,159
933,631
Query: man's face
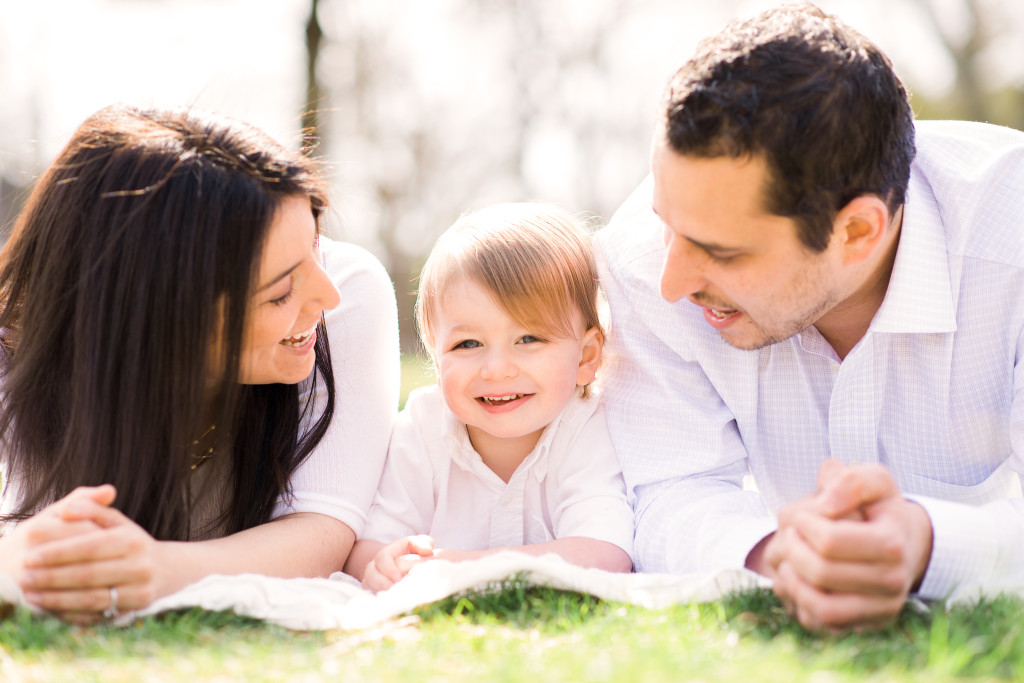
747,269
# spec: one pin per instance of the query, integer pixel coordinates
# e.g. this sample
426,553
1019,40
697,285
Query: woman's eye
468,344
282,300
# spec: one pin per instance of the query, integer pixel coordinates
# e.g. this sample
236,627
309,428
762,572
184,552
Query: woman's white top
340,476
435,483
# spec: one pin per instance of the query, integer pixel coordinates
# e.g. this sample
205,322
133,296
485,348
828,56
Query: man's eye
721,258
467,344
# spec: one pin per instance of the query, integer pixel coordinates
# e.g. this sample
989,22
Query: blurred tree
971,31
314,99
437,108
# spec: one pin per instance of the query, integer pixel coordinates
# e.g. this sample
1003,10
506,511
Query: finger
798,507
94,600
384,564
88,509
817,610
103,494
850,541
421,545
856,487
101,574
774,551
829,471
407,562
94,545
46,529
91,601
375,581
831,576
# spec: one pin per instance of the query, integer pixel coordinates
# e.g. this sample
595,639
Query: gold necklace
199,458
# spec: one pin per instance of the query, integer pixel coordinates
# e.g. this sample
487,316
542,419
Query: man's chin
750,341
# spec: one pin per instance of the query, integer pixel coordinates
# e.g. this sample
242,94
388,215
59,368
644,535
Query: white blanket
340,603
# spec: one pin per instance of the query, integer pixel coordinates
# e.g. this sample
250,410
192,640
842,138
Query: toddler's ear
590,356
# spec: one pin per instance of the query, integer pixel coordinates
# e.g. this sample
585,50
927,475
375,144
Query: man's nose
683,272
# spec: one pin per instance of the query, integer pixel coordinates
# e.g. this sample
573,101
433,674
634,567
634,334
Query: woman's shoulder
352,265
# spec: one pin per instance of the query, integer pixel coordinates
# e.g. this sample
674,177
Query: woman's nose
325,294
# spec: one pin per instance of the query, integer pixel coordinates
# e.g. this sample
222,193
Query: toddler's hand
394,561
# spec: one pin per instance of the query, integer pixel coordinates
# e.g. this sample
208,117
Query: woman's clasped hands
82,559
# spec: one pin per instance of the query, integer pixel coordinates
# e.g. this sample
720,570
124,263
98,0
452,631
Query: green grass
517,632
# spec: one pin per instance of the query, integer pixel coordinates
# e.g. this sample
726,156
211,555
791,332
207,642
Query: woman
161,300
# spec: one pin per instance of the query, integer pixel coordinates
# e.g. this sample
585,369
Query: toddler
510,450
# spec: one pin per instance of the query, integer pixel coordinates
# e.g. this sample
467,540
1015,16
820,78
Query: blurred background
423,109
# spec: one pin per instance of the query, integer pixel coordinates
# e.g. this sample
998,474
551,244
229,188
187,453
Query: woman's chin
285,373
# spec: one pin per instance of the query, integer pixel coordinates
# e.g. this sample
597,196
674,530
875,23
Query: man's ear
590,356
862,225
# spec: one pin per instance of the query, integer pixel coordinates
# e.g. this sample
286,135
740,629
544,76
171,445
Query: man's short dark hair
815,98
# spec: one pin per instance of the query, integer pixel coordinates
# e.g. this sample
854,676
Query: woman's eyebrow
280,277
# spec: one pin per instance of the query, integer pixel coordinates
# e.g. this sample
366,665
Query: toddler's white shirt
435,483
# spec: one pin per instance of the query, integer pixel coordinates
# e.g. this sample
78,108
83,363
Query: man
811,304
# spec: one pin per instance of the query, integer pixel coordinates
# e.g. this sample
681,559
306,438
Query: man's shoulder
966,135
969,155
633,232
974,172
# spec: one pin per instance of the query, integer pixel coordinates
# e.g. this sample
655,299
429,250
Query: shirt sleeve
340,476
404,504
680,448
590,492
980,545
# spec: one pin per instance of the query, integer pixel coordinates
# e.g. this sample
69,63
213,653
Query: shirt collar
454,430
919,298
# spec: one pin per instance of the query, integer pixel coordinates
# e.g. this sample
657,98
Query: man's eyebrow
711,246
706,246
280,277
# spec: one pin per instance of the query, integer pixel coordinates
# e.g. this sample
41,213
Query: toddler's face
504,381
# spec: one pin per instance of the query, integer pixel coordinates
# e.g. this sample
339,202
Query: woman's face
292,292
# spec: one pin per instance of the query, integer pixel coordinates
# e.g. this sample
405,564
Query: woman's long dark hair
138,247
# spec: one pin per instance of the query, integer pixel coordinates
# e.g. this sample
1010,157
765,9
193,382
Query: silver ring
111,611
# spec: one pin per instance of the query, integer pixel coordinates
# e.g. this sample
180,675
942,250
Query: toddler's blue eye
528,339
468,344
